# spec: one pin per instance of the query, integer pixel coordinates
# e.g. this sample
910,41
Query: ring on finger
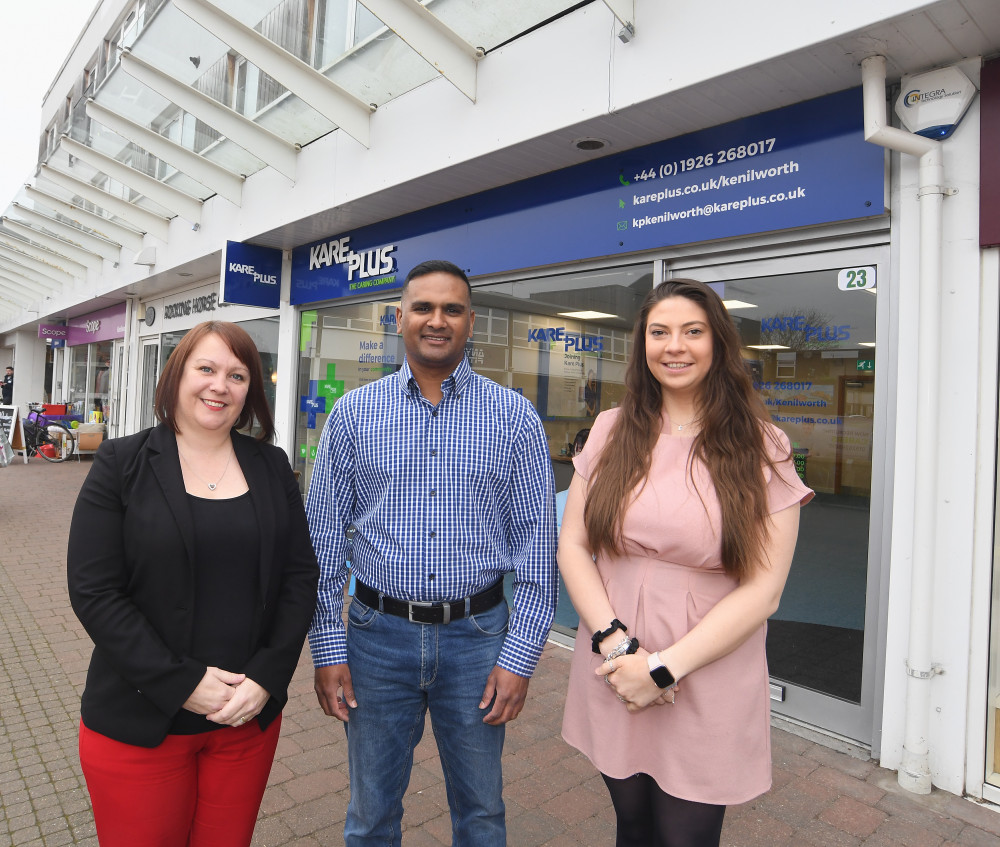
619,696
611,664
608,681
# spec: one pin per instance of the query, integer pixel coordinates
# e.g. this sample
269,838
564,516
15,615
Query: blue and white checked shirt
443,500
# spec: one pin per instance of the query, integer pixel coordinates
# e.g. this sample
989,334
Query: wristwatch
661,676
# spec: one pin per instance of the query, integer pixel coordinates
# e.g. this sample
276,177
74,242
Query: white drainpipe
914,771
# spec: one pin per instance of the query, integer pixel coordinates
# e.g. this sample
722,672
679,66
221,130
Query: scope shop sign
251,275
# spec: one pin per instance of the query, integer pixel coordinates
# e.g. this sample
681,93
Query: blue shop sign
251,275
802,165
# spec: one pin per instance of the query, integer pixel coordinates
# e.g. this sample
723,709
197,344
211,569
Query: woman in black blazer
191,568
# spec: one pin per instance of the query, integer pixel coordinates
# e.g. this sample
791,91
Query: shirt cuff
328,647
519,656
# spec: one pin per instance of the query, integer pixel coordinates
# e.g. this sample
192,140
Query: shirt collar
456,382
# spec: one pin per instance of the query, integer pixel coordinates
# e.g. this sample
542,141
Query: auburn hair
731,443
255,408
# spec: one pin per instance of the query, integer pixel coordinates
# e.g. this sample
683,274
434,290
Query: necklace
211,485
680,427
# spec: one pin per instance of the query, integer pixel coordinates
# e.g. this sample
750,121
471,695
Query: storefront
606,232
91,367
163,322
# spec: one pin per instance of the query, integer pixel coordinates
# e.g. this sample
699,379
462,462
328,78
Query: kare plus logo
370,265
570,340
250,271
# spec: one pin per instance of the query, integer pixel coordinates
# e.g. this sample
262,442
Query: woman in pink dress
676,541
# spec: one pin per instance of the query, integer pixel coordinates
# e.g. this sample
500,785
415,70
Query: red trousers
190,791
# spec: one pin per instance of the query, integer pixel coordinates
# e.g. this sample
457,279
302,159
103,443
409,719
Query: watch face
661,676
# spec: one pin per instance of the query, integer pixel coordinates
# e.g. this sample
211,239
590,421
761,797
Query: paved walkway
554,796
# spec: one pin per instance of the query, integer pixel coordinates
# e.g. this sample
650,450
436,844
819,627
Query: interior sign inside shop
798,166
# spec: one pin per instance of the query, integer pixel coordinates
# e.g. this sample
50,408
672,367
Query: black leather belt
430,612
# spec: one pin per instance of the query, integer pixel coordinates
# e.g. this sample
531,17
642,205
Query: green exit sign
866,364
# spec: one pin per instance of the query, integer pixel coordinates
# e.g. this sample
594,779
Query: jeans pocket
492,621
361,616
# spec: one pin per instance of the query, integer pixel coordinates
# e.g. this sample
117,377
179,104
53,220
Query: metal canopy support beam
14,254
110,229
624,10
56,245
443,48
101,246
264,144
176,201
324,95
196,166
60,263
142,219
11,290
32,279
25,284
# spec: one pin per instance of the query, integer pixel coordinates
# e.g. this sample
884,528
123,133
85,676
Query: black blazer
131,582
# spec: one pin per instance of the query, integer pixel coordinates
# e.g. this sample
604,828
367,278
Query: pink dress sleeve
784,487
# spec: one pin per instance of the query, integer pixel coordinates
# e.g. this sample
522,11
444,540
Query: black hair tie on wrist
598,637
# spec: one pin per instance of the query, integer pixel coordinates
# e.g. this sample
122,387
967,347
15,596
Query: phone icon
622,180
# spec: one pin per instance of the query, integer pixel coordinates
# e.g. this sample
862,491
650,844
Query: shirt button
434,414
430,576
433,492
434,452
432,533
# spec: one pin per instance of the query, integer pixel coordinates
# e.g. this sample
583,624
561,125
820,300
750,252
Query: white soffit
323,94
271,148
142,219
438,44
208,173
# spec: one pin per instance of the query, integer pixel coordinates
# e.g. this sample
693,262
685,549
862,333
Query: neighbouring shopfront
606,232
164,321
92,387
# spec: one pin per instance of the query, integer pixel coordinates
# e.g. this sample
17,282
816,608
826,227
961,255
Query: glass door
149,357
812,326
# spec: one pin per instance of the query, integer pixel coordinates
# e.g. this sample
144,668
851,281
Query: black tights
649,817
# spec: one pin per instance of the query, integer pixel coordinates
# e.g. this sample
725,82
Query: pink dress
714,744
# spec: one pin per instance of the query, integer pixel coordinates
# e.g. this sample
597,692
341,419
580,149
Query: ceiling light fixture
590,144
587,315
768,347
738,304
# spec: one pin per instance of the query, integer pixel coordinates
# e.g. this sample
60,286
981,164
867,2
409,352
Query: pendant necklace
211,485
680,427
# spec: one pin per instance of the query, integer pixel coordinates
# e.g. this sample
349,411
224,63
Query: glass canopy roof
83,190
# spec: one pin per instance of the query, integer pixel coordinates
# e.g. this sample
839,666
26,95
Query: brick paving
554,797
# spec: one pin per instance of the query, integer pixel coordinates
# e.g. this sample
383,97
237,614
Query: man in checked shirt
440,482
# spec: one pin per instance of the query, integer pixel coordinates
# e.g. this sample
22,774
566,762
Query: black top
225,591
132,566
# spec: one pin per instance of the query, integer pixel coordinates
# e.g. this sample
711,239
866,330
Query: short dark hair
435,266
239,341
10,367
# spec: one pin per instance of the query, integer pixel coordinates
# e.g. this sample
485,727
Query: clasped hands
227,698
629,678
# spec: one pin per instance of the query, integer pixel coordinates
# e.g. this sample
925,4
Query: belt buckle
446,608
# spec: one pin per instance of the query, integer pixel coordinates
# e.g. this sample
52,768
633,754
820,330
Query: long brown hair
239,341
731,442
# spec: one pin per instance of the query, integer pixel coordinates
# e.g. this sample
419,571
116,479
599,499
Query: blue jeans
400,670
